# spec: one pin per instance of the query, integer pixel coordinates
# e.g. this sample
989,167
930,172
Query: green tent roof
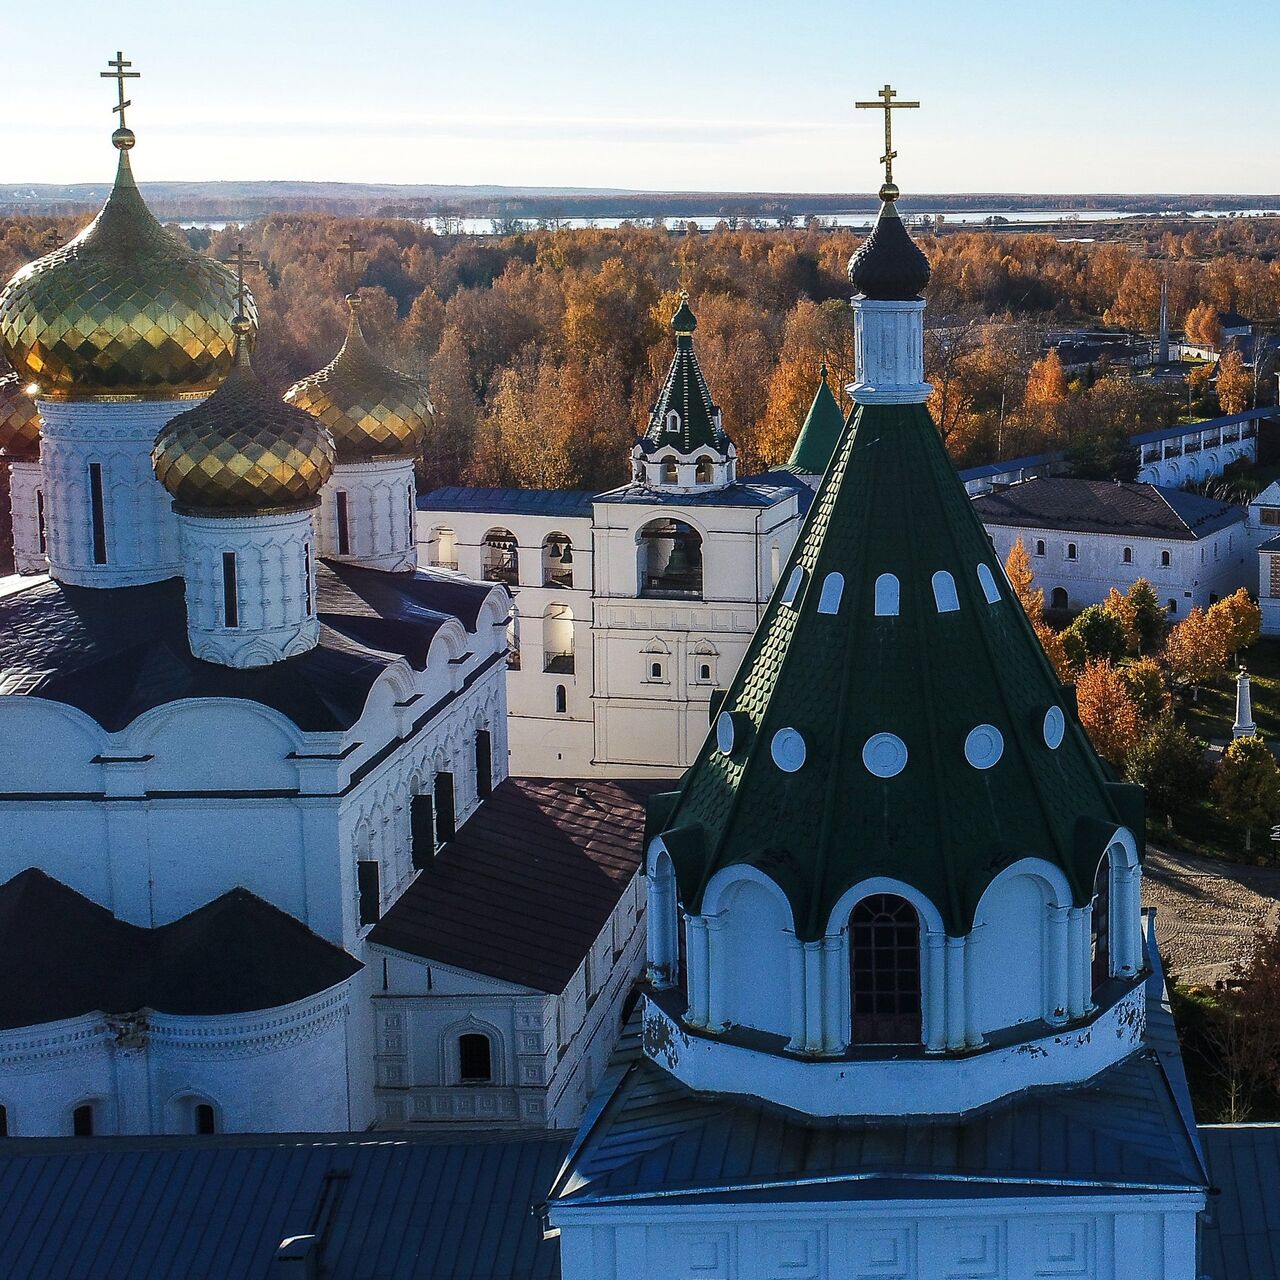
820,433
838,675
686,393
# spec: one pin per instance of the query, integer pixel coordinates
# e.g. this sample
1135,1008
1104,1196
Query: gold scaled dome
19,421
243,451
124,309
373,411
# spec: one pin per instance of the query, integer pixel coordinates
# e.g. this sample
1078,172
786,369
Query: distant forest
544,350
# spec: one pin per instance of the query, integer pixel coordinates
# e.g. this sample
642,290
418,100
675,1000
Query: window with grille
884,937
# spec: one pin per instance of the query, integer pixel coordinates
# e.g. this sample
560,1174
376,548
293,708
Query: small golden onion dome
124,309
373,411
243,451
19,420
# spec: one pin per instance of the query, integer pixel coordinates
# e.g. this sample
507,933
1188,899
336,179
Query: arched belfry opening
884,971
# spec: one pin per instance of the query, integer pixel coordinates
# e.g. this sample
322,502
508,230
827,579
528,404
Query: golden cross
349,248
240,259
888,106
120,75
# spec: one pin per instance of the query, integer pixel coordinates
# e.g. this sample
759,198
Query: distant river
484,226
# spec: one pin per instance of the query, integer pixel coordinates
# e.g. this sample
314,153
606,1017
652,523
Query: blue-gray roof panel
521,502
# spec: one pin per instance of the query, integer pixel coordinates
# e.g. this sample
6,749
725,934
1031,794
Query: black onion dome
888,266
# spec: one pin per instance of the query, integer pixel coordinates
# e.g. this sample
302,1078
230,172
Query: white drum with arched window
884,971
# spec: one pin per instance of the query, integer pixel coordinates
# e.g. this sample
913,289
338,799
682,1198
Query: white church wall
1212,567
1009,952
1119,1237
276,1070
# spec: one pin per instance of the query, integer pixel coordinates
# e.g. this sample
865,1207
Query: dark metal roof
1209,424
516,502
1103,506
1013,464
63,956
888,264
1128,1127
528,884
759,491
117,653
388,1206
1240,1238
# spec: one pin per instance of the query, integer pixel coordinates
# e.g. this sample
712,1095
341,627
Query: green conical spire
696,420
820,434
895,714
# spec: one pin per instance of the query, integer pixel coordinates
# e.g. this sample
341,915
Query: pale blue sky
1091,95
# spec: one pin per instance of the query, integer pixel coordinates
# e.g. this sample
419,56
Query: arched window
1164,560
513,641
887,596
670,560
1128,555
82,1121
475,1058
1058,598
1039,546
884,961
205,1120
1071,550
944,592
442,549
562,700
702,473
1102,923
557,560
4,1121
498,558
670,473
832,590
557,639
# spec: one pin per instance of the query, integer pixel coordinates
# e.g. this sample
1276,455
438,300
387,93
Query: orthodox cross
120,75
888,106
349,248
241,259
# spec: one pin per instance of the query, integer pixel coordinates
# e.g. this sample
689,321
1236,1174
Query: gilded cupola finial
241,325
351,248
123,137
889,191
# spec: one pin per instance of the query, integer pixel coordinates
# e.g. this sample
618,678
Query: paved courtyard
1207,912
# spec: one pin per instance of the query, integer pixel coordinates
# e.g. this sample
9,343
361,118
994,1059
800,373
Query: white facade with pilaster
367,513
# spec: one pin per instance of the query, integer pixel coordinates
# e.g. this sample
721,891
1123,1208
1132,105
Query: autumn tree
1107,710
1247,786
1238,619
1046,382
1095,634
1169,763
1195,651
1234,383
1054,650
1125,612
1149,619
1201,325
1017,568
1145,681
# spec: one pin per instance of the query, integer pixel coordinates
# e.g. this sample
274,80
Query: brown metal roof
529,882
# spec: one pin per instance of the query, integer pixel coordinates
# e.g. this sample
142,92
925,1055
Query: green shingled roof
685,393
820,434
891,503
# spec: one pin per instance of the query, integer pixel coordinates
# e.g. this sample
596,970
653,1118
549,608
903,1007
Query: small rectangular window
446,815
306,569
41,526
1270,515
422,829
344,533
484,763
98,513
1071,550
230,590
368,884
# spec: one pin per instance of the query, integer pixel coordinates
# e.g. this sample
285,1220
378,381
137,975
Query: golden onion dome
19,420
243,451
373,411
124,309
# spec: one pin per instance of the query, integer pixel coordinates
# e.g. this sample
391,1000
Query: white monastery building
632,607
1086,536
241,734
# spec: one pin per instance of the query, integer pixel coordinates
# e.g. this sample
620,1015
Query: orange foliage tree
1107,710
